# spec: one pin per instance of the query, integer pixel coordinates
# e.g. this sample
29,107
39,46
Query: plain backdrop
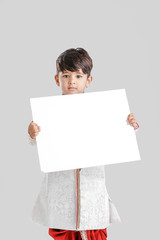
122,37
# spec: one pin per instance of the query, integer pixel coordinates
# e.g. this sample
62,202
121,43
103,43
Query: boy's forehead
78,71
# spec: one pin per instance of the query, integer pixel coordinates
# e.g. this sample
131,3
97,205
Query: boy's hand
132,121
33,130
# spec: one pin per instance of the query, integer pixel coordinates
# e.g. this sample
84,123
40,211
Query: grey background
122,37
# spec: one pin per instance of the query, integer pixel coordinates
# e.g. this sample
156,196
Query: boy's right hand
33,130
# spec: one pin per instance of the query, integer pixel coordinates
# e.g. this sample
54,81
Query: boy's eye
78,76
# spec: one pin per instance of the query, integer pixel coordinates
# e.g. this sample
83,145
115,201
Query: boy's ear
89,80
57,80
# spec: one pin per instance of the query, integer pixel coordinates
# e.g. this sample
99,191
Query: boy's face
73,82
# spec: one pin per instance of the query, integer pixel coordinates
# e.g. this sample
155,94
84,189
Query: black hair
74,59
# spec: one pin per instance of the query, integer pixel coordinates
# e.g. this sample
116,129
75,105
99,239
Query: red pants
58,234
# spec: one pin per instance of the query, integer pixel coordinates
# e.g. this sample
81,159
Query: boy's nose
72,79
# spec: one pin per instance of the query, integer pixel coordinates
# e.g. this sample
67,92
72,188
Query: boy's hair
73,59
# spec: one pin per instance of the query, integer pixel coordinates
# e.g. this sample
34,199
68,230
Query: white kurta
61,202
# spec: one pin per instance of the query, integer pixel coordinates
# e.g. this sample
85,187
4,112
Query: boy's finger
133,121
35,129
33,124
131,118
35,134
130,115
135,124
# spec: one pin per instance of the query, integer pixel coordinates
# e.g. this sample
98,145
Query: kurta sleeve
136,129
30,140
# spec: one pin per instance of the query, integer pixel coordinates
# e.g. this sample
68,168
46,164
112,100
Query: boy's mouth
72,88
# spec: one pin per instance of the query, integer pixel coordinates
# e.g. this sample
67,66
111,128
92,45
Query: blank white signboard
84,130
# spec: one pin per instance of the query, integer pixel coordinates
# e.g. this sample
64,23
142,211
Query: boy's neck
68,94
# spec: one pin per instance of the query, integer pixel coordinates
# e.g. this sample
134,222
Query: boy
73,76
59,204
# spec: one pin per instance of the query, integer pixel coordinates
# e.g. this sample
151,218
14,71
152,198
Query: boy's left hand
131,120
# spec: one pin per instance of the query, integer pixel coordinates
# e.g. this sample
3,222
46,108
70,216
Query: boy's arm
30,140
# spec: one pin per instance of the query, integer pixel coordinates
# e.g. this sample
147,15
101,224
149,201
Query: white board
84,130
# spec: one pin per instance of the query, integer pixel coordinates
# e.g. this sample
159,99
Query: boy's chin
71,92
